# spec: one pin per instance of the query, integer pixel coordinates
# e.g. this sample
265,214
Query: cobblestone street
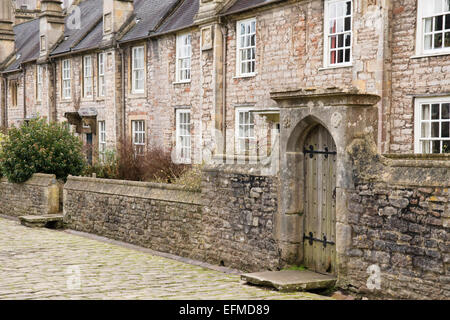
44,264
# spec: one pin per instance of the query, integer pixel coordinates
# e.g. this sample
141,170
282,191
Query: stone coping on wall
38,179
252,169
146,190
405,170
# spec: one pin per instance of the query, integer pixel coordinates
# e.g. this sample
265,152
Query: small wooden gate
319,238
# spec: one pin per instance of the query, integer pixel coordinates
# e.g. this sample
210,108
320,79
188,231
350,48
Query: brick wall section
37,196
233,229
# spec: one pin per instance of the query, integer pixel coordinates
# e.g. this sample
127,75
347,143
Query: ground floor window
432,125
138,136
183,132
245,129
102,140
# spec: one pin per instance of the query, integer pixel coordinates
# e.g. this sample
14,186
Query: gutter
224,84
250,8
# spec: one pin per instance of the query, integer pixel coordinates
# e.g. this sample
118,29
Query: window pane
447,21
435,129
349,8
425,130
428,25
447,40
445,111
445,130
437,40
428,42
435,112
348,23
425,146
446,147
426,112
436,146
438,23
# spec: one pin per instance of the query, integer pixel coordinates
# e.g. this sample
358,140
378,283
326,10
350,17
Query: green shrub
41,147
106,169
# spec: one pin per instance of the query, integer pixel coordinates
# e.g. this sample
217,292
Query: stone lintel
330,97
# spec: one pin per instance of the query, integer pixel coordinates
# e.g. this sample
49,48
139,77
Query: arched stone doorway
342,116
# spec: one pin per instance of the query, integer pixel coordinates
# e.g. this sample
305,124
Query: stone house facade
287,86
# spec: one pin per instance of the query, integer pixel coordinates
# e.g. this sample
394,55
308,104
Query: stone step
52,221
290,280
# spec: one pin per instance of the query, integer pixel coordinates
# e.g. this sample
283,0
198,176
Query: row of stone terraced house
345,103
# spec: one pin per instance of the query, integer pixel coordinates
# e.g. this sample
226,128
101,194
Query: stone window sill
246,76
181,82
336,67
426,55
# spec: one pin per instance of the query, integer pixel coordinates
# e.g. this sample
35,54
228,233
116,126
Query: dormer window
43,44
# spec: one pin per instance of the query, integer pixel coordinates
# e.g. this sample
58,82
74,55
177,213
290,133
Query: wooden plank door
320,201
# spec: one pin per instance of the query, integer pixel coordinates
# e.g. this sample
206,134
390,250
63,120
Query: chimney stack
51,25
6,30
208,9
115,14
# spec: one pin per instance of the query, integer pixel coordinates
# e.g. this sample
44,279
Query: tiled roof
92,40
181,18
149,13
26,43
243,5
91,14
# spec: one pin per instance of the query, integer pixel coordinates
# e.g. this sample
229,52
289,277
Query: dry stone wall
37,196
229,223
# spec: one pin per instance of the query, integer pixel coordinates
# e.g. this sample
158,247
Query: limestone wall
229,223
37,196
399,214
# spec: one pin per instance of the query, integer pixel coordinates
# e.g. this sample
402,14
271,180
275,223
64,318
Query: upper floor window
184,57
39,71
87,76
183,135
245,129
432,125
101,74
246,47
138,136
138,70
66,79
338,33
433,26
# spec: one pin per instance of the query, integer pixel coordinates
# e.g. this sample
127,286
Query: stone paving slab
291,280
56,265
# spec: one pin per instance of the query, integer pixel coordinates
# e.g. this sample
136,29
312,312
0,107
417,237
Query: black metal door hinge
311,151
311,239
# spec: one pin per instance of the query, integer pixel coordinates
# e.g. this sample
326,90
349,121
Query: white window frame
137,70
101,74
420,32
39,82
419,102
138,128
239,61
88,75
238,124
102,140
184,54
66,76
183,148
326,40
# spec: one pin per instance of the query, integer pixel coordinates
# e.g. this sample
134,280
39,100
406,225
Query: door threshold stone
290,280
52,221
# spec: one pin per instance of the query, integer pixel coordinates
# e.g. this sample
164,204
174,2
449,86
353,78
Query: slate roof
150,13
182,17
91,14
26,43
243,5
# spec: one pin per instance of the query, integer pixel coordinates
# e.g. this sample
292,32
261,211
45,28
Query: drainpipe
224,29
122,76
52,114
24,93
5,79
